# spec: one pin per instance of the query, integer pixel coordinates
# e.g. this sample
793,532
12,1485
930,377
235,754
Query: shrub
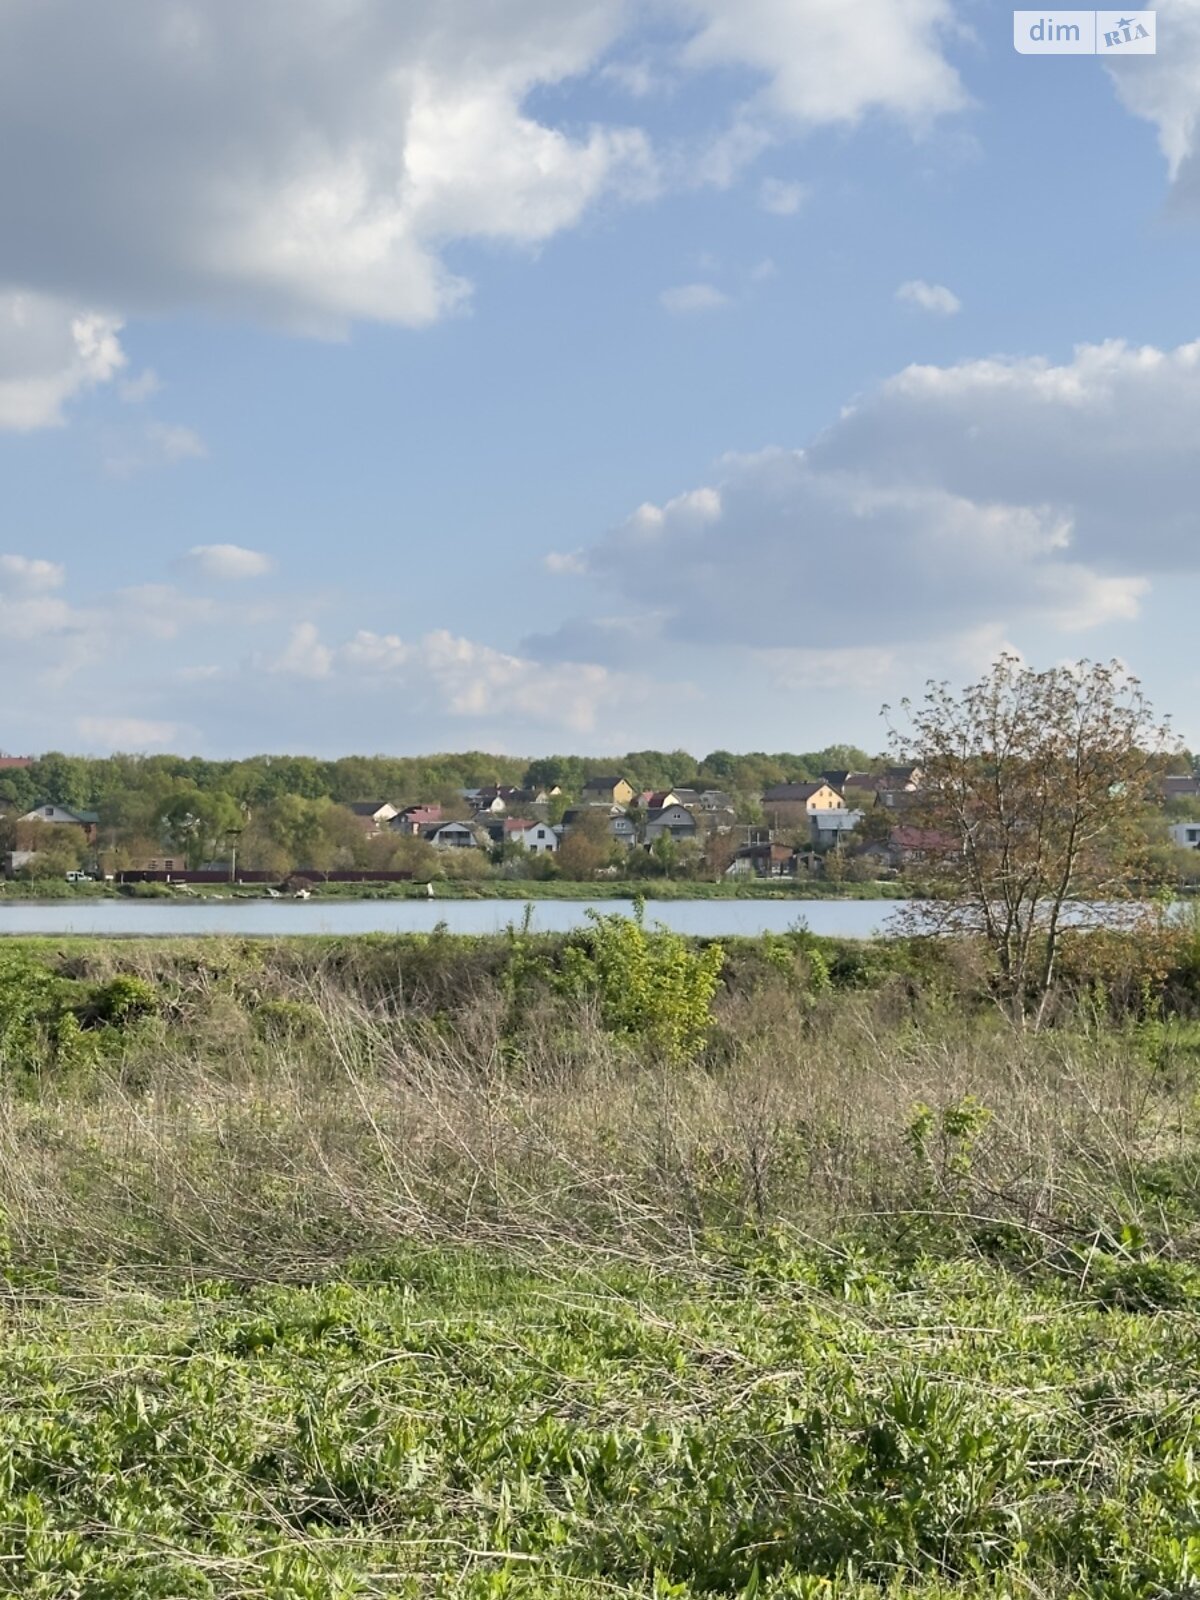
124,1000
653,986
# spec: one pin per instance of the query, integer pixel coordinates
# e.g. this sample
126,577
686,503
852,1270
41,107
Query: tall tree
1031,790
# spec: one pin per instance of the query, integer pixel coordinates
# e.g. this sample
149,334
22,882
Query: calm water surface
848,919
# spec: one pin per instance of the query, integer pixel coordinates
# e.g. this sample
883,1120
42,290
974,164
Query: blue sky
537,377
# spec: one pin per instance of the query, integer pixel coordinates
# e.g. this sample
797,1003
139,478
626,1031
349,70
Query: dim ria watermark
1085,33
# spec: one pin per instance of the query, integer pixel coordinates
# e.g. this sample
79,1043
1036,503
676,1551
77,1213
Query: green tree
197,825
1032,790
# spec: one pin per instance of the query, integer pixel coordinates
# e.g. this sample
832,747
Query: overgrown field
596,1266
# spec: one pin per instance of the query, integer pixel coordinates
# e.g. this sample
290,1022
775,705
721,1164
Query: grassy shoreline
490,889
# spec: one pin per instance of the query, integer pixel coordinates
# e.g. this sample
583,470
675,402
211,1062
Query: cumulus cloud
933,297
948,502
445,673
1165,90
387,130
688,298
30,575
386,133
834,62
51,351
227,562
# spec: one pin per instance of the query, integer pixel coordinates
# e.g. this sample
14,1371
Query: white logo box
1085,33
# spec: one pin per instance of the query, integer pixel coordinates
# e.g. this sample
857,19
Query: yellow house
790,804
607,791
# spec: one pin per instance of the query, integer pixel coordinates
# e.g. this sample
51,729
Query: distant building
414,819
1184,786
763,860
792,804
614,791
15,763
539,838
373,815
64,817
831,827
1186,835
450,836
620,825
675,821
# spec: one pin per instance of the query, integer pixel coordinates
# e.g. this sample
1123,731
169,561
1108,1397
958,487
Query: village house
15,763
657,799
613,791
676,821
414,819
708,802
1186,835
792,804
831,828
763,860
450,836
539,838
373,815
1185,786
500,798
620,824
64,817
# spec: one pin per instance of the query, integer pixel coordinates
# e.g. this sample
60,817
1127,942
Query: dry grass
225,1154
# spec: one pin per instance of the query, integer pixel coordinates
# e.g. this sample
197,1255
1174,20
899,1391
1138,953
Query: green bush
657,986
124,999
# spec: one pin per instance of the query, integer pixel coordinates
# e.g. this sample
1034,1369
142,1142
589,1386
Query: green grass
449,1423
394,1268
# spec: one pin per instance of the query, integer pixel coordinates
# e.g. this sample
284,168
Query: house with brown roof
792,804
607,790
763,860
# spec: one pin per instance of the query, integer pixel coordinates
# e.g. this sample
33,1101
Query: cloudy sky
538,376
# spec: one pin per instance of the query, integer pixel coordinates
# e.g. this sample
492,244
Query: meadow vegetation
604,1264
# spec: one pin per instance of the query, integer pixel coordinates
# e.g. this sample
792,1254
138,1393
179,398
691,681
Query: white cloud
385,131
30,575
781,198
688,298
933,297
311,161
227,562
836,62
444,673
304,655
949,502
126,733
565,563
51,351
1165,89
131,451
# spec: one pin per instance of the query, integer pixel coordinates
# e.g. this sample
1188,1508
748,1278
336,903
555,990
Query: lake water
848,919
